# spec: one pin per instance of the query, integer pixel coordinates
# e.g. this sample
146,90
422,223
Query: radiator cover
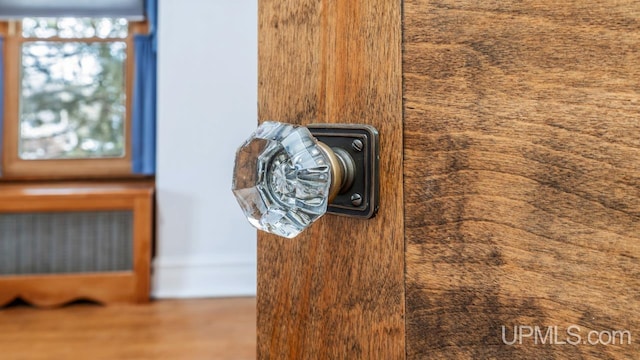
66,242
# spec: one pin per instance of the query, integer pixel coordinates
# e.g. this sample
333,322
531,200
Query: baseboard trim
200,277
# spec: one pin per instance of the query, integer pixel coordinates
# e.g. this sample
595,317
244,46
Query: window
68,90
72,95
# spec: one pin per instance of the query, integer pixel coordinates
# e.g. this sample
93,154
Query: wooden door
510,180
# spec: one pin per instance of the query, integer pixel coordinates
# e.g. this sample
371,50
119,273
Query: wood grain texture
105,287
337,290
522,175
171,329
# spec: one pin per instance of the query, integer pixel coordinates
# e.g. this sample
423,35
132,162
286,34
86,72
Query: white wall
207,105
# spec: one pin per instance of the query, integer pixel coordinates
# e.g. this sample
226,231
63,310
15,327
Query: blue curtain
1,97
143,127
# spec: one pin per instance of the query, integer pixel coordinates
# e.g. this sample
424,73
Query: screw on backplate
357,145
356,199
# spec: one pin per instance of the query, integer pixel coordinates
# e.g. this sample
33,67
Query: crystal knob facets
284,178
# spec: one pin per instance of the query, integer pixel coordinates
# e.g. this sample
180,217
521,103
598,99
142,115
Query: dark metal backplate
366,160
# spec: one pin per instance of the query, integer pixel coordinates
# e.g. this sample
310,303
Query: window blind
15,9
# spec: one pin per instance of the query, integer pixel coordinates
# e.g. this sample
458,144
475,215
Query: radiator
66,242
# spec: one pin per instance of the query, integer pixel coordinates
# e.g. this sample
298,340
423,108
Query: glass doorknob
284,178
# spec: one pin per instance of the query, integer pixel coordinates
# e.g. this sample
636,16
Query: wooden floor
170,329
